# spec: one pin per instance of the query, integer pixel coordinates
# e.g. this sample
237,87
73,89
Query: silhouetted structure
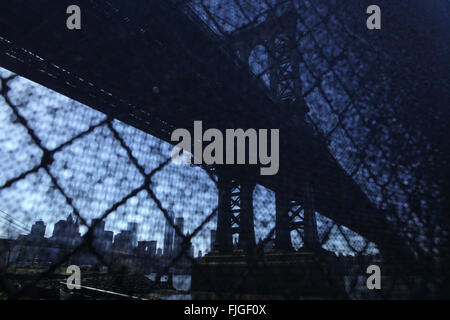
103,239
133,228
67,232
169,235
37,231
123,241
178,239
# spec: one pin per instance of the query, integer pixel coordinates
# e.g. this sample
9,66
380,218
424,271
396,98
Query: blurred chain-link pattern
380,122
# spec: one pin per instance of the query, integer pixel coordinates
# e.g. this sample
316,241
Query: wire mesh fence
80,187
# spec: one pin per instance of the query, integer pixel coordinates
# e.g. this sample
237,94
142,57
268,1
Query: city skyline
49,233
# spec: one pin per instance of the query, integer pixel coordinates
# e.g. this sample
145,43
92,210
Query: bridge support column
246,223
224,240
310,238
282,230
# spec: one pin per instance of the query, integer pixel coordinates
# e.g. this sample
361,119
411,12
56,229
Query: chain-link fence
80,187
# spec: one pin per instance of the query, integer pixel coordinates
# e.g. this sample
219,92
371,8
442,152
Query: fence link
79,187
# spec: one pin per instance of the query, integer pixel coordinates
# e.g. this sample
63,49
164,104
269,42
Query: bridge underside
119,56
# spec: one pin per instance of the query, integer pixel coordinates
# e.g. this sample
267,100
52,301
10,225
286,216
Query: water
181,282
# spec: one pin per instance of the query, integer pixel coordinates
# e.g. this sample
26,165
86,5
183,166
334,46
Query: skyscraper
103,239
133,228
146,248
66,232
123,241
168,235
37,230
178,240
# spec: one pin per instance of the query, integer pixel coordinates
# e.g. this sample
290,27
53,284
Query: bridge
127,63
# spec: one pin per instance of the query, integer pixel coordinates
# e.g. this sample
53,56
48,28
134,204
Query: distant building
102,239
35,249
123,242
168,236
133,228
146,248
37,230
37,233
178,240
67,232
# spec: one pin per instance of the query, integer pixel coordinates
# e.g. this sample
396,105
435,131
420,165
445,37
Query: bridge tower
296,271
277,34
235,212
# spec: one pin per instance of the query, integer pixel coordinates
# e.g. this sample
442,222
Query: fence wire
79,187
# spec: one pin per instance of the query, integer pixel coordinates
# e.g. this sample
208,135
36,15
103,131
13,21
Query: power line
8,224
13,224
15,219
24,225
